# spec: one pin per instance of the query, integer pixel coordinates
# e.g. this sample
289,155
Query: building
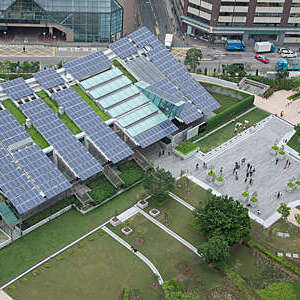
250,20
79,21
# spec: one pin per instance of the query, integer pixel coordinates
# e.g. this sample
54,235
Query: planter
274,150
290,187
126,230
115,221
253,202
281,156
245,197
142,204
219,181
185,156
211,176
154,212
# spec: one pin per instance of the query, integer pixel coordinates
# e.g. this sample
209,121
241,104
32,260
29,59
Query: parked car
262,58
288,53
282,49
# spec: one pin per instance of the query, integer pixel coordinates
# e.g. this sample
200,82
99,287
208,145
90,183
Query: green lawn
131,172
294,142
101,189
21,118
99,268
170,257
224,134
90,102
64,118
118,65
45,240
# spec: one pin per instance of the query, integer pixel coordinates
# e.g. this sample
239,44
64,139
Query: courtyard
268,179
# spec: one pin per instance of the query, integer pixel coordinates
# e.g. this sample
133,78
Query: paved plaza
268,178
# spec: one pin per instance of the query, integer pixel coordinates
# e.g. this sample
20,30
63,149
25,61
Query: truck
264,47
168,40
288,65
232,45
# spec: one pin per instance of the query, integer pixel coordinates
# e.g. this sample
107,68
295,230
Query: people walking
246,179
197,166
276,160
253,171
251,181
289,163
248,166
221,171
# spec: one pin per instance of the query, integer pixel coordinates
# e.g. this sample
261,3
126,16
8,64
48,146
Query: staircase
112,177
81,193
141,160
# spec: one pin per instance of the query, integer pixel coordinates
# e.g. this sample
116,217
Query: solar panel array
50,180
49,78
17,88
143,37
123,48
16,185
109,143
155,133
80,161
91,64
174,71
11,131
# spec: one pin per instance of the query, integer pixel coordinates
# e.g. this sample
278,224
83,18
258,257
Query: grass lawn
90,102
21,118
190,192
294,142
131,172
179,220
98,268
171,258
64,118
224,134
101,189
45,240
124,71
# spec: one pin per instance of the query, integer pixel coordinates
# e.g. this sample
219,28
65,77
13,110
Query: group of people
249,172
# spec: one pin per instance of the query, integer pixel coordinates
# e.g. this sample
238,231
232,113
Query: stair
112,177
141,160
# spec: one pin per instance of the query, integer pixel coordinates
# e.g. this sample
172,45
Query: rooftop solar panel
71,151
108,142
123,48
49,78
17,88
83,67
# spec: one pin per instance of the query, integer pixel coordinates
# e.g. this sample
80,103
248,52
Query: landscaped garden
21,118
96,268
90,102
131,172
64,117
118,65
224,134
294,142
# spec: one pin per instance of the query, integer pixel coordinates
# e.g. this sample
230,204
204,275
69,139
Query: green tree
193,58
282,74
297,218
284,210
216,250
223,215
158,182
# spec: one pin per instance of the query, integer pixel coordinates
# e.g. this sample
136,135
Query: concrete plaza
268,178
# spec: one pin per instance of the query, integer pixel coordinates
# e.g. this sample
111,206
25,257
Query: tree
158,182
216,250
297,218
284,210
223,215
283,74
193,58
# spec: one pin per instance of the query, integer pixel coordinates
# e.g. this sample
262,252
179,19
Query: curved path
138,254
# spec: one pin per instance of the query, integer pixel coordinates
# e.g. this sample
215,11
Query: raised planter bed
115,221
154,212
142,204
185,156
126,230
219,181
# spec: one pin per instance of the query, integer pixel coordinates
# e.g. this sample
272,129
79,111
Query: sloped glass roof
4,4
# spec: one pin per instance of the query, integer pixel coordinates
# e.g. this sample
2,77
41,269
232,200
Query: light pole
44,34
5,35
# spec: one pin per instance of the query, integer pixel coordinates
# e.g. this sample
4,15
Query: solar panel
71,151
123,48
11,131
16,185
83,67
108,142
17,88
49,78
155,134
190,113
49,179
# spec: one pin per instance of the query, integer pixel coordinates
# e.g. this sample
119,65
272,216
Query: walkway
170,232
215,80
187,205
4,296
138,253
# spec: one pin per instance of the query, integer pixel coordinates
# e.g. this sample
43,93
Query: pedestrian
236,173
221,171
204,165
236,176
278,195
281,113
248,166
247,175
289,163
233,170
197,166
169,153
251,172
258,212
163,152
243,160
159,154
251,181
276,161
246,179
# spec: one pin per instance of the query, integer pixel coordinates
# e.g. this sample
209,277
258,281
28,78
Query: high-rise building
250,20
75,20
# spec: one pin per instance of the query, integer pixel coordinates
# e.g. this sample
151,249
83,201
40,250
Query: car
262,58
288,53
280,50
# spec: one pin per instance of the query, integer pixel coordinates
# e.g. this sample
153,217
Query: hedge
186,147
229,113
286,264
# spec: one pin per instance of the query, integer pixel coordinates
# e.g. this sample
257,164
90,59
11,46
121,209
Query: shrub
245,194
211,173
186,147
297,182
290,185
131,172
220,179
101,190
253,199
275,147
278,290
269,93
281,152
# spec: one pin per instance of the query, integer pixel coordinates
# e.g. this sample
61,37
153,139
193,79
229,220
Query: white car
288,54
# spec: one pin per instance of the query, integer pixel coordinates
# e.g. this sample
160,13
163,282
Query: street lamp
44,34
5,35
